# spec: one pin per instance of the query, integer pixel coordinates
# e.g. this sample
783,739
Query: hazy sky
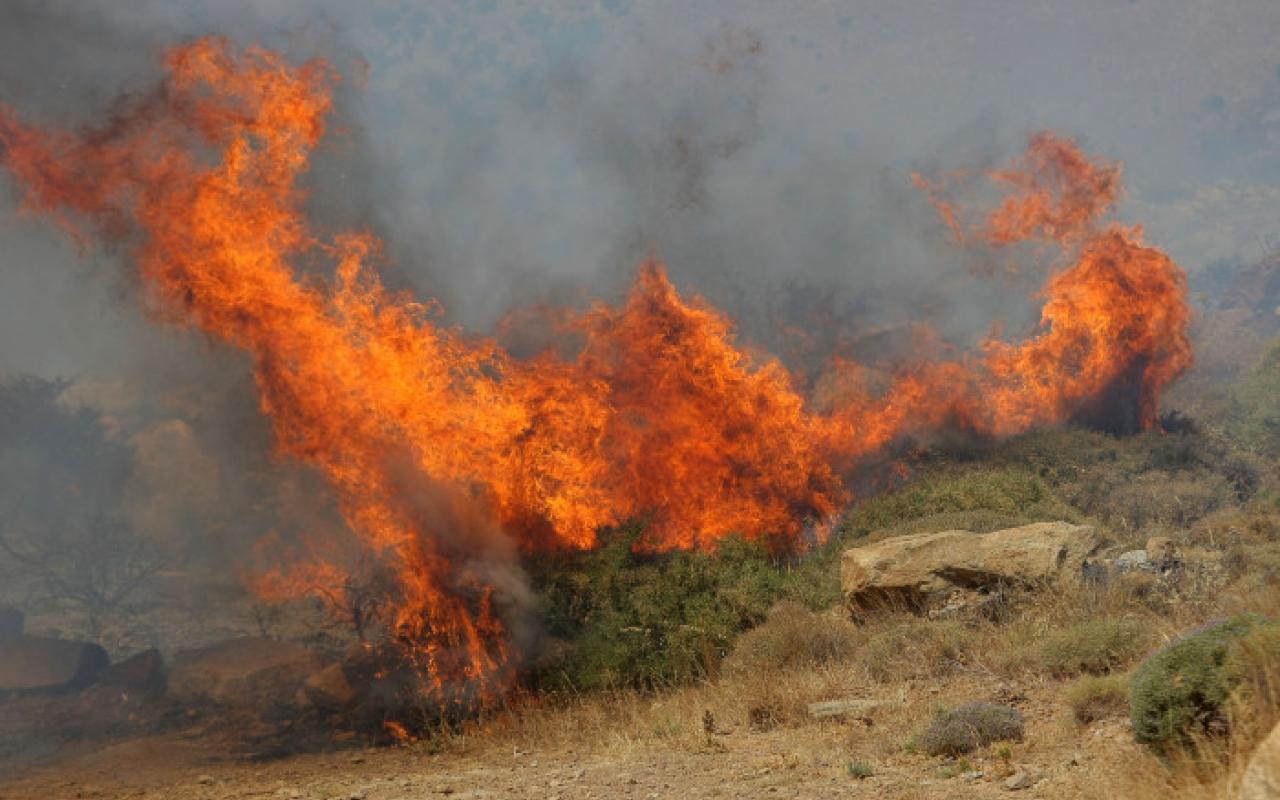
510,148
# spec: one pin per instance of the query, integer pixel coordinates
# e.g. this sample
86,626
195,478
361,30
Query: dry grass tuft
791,637
1096,646
910,647
1096,697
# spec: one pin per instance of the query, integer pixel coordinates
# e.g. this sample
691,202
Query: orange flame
440,447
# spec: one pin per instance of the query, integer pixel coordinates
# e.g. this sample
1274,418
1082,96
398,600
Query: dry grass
1096,697
758,702
792,637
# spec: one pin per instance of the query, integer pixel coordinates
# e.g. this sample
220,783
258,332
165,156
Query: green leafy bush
1180,693
954,733
642,620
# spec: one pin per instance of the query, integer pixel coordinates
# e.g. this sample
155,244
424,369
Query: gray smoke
510,155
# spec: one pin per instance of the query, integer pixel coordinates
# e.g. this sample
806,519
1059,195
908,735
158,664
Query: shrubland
748,636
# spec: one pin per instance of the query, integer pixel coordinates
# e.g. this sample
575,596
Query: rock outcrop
249,672
31,664
143,672
922,572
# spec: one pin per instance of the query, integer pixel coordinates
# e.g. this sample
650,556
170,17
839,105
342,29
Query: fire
445,452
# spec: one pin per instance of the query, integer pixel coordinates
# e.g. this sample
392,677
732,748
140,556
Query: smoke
537,176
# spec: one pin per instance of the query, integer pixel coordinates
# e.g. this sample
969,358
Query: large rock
143,672
251,672
329,689
921,571
1262,776
39,664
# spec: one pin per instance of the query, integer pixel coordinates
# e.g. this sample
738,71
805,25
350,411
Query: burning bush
660,413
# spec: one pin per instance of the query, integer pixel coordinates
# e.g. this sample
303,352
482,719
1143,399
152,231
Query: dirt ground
679,759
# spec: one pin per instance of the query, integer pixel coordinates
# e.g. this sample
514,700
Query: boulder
925,570
329,689
249,672
1262,776
39,664
143,672
11,622
1133,560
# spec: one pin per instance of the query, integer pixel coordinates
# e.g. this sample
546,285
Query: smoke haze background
511,153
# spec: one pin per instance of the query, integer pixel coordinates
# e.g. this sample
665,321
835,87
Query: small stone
1019,780
205,780
972,775
841,708
1133,560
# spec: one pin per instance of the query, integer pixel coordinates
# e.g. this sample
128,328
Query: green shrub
640,620
1096,697
1255,422
860,769
954,733
1180,693
793,636
1007,495
1094,646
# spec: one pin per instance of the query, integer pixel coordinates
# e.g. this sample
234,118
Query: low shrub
1180,693
1008,496
1255,422
1095,646
954,733
1136,501
793,636
639,620
1096,697
860,770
